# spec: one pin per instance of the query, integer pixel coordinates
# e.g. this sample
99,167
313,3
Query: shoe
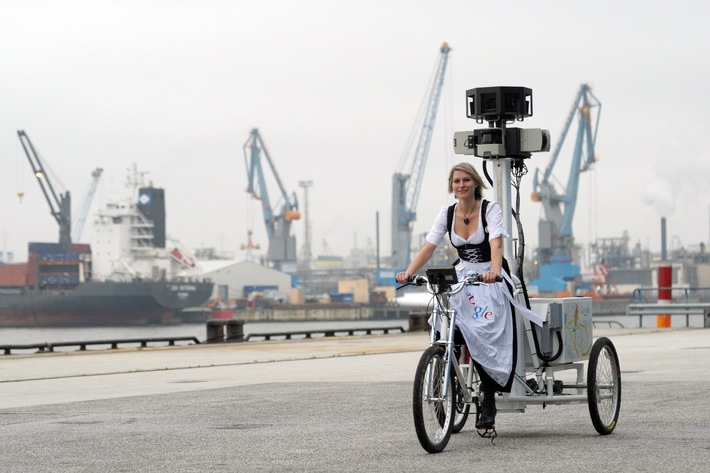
487,419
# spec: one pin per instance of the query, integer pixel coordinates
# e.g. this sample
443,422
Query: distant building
244,277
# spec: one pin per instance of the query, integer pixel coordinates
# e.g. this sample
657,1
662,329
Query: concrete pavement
340,404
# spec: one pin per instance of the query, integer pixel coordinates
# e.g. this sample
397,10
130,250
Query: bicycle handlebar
417,280
472,278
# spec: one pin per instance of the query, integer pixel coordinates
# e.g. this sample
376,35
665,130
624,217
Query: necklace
466,220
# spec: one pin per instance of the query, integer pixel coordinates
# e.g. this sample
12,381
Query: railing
215,335
609,323
687,309
638,293
143,342
323,333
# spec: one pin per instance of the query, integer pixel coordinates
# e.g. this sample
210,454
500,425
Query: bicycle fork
445,323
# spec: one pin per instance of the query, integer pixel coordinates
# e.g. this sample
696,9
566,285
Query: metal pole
377,238
306,255
664,254
502,190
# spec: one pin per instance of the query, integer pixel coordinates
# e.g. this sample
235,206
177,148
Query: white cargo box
575,326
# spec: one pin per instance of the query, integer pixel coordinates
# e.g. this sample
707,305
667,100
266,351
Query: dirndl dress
484,312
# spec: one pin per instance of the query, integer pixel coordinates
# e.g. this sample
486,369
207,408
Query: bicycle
446,384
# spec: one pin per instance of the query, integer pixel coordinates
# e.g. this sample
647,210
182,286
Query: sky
335,88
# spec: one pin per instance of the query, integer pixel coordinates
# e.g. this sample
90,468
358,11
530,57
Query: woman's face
463,185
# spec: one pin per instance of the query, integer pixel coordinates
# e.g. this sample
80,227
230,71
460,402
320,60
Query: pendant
465,220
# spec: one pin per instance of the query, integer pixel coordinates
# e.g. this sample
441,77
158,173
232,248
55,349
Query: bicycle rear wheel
433,412
604,386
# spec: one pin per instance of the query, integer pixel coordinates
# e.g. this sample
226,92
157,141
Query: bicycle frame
445,323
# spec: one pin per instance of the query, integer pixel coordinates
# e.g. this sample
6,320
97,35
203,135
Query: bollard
418,321
215,331
235,331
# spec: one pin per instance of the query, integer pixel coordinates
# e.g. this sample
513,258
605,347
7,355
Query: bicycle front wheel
461,408
433,411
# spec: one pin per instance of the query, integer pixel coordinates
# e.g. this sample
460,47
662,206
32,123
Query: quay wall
319,312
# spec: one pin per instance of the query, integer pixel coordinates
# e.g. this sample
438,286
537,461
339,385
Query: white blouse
494,218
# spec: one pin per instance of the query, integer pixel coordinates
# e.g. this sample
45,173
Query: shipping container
59,257
36,247
249,289
13,280
58,279
81,248
341,297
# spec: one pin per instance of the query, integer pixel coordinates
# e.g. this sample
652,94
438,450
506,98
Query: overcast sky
334,88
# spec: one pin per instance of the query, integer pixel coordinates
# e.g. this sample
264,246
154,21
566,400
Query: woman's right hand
403,277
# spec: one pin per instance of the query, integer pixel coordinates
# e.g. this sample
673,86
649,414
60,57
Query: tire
433,415
604,386
461,409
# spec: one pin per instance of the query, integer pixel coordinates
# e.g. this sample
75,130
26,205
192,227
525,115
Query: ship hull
101,304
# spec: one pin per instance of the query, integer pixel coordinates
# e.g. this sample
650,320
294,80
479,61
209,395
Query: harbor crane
406,187
282,244
78,227
557,252
59,204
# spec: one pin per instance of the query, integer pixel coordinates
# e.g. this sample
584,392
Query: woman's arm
496,260
417,263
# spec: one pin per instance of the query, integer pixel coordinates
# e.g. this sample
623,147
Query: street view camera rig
506,149
499,106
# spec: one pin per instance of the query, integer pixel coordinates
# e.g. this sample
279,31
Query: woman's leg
487,419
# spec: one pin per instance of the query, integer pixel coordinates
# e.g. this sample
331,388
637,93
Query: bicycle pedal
557,387
532,384
488,434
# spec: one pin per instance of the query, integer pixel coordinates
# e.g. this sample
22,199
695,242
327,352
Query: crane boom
422,149
406,187
78,227
282,245
59,204
556,251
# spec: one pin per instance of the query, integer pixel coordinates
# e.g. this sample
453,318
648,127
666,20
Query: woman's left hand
489,277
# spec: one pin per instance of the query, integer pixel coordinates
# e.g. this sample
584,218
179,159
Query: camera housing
498,106
502,142
499,103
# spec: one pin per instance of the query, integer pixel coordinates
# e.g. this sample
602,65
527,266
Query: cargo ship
130,274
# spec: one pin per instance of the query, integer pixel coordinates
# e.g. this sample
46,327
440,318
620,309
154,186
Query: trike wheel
604,386
433,411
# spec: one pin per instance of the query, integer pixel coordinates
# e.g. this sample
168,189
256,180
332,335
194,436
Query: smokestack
663,239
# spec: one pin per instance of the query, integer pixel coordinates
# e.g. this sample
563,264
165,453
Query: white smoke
659,193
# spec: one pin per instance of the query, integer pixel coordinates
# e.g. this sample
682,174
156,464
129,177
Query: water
26,336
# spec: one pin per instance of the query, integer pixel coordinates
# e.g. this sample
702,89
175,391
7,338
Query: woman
475,228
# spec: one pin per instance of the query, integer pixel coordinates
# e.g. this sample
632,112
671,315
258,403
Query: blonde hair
471,171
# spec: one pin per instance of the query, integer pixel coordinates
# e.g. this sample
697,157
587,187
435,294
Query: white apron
484,318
